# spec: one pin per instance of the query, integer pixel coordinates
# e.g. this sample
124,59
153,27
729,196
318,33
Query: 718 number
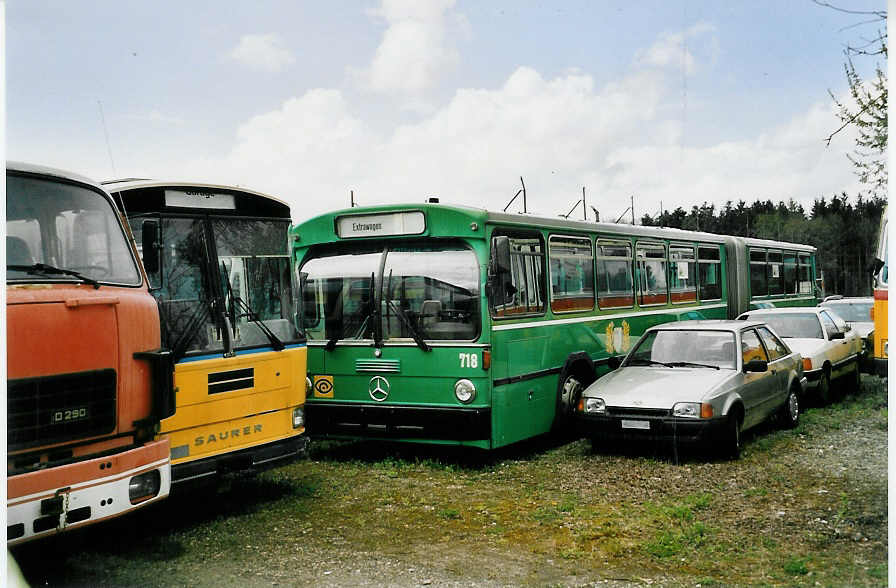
469,360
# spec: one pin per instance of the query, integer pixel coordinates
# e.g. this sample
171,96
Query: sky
678,103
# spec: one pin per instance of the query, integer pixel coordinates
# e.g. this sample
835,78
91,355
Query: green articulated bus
451,325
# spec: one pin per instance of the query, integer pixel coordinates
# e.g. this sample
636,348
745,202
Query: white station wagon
830,348
695,382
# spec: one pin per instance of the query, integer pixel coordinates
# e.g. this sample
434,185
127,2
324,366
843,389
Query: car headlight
595,405
298,417
692,410
144,486
686,409
465,391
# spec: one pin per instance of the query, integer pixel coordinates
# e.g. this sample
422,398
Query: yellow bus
880,300
218,266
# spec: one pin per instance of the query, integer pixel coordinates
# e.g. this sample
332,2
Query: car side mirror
150,242
838,335
756,365
847,328
614,362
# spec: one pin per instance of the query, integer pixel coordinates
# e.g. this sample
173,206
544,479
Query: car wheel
790,410
730,447
824,387
855,380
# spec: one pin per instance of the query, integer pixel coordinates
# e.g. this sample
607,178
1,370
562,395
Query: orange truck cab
87,382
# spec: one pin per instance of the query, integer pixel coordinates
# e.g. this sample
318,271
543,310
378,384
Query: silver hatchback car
696,382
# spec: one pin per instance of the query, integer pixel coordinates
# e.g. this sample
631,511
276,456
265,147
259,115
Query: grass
545,512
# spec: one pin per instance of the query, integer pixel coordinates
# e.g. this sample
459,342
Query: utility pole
633,209
584,207
352,196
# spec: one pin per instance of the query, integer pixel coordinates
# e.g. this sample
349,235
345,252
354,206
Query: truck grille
53,409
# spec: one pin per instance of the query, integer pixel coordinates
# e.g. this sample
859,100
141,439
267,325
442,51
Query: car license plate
645,425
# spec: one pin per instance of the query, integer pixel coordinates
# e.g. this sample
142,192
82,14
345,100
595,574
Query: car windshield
852,312
57,231
425,292
680,348
794,325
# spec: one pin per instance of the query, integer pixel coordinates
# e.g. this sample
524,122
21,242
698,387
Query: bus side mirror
498,286
150,243
501,255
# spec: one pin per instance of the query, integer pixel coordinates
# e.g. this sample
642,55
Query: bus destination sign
199,199
381,225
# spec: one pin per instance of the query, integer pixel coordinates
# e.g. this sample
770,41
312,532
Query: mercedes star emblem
378,388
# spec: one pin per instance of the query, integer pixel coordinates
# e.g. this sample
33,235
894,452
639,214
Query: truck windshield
60,232
432,289
223,281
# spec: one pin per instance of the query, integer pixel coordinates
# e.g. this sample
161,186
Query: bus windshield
62,232
431,291
223,279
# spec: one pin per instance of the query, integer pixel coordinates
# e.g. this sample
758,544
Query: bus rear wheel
571,388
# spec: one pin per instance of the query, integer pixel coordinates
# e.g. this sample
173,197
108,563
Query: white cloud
414,51
672,49
560,134
263,52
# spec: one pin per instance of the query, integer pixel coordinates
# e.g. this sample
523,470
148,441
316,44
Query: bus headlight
465,391
144,486
298,417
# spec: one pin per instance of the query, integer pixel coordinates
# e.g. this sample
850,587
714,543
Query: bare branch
881,14
851,120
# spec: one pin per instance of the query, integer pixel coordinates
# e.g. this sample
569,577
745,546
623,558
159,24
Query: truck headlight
465,391
298,417
595,405
144,486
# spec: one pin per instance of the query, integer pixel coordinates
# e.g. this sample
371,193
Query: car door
781,361
839,349
854,340
758,386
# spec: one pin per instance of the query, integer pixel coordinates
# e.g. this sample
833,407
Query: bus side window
709,269
615,284
525,292
758,277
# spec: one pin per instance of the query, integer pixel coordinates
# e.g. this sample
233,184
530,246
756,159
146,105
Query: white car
695,382
829,347
857,314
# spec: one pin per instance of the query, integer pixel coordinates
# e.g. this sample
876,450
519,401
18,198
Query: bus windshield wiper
371,315
247,312
400,313
42,268
692,364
